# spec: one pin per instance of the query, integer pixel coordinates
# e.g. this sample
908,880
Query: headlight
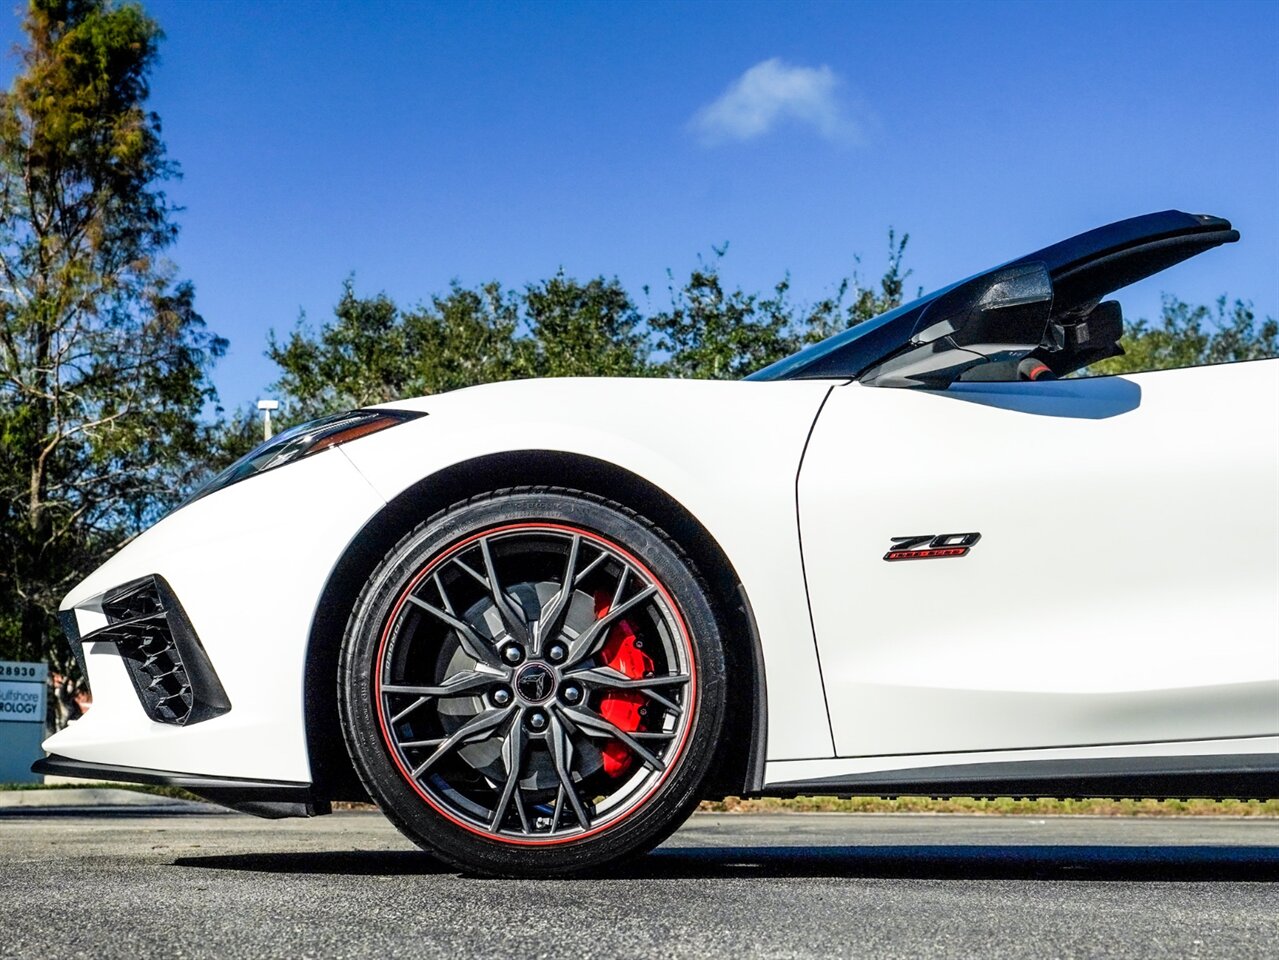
302,441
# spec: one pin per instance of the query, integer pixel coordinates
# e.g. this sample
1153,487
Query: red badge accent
926,554
932,547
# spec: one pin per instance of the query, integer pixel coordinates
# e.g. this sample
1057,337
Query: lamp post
266,406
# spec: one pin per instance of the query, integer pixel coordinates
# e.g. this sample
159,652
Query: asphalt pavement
190,881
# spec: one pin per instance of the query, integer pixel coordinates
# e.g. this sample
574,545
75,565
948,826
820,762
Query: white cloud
772,92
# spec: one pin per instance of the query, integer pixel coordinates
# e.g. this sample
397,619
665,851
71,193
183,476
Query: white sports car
536,622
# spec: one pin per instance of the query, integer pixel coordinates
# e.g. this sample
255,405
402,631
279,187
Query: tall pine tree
103,359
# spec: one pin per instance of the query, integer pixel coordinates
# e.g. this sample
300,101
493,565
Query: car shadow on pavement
923,862
354,863
972,862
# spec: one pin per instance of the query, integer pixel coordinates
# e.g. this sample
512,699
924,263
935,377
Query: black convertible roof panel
1123,235
1083,269
1089,266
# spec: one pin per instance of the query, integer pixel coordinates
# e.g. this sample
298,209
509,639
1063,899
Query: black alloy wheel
532,683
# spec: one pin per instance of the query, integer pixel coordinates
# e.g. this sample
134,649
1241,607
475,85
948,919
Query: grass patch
1000,806
997,806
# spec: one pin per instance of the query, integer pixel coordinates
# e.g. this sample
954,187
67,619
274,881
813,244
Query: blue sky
412,143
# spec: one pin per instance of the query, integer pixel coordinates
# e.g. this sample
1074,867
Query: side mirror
998,316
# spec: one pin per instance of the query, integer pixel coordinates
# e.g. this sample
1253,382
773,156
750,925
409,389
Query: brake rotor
485,757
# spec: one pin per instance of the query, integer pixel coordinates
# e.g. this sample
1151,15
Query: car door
1119,579
998,560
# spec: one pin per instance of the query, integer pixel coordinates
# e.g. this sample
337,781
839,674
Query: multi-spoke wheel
532,683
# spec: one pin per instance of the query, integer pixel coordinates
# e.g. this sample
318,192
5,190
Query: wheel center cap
535,683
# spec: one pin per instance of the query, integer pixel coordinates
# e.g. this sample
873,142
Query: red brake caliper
621,707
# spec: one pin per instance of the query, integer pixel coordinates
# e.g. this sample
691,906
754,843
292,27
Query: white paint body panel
1125,588
249,563
728,452
1178,641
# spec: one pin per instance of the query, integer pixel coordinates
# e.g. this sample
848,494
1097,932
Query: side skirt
272,799
1229,776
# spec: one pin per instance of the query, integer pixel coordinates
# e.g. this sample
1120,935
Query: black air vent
168,666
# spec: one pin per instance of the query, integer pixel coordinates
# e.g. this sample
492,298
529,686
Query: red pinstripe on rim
604,544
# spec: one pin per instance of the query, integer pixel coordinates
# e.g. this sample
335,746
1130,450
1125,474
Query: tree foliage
854,302
103,358
359,359
589,329
464,337
712,333
1188,336
373,351
707,329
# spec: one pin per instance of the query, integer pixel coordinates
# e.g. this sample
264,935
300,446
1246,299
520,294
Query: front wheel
532,684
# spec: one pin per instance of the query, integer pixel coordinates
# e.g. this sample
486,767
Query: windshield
839,355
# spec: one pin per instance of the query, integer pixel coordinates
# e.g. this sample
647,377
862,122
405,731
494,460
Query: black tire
462,812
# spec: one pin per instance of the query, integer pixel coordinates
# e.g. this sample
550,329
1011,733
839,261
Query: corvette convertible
536,622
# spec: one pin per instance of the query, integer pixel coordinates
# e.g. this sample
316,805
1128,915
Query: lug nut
572,693
557,652
537,720
501,696
512,653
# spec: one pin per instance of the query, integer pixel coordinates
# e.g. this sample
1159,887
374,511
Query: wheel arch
739,764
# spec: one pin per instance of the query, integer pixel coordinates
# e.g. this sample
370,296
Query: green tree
712,333
361,358
465,337
854,302
587,329
374,352
103,358
1188,336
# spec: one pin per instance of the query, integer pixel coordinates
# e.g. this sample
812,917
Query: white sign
22,691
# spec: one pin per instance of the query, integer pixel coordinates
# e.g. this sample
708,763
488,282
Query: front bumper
249,564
